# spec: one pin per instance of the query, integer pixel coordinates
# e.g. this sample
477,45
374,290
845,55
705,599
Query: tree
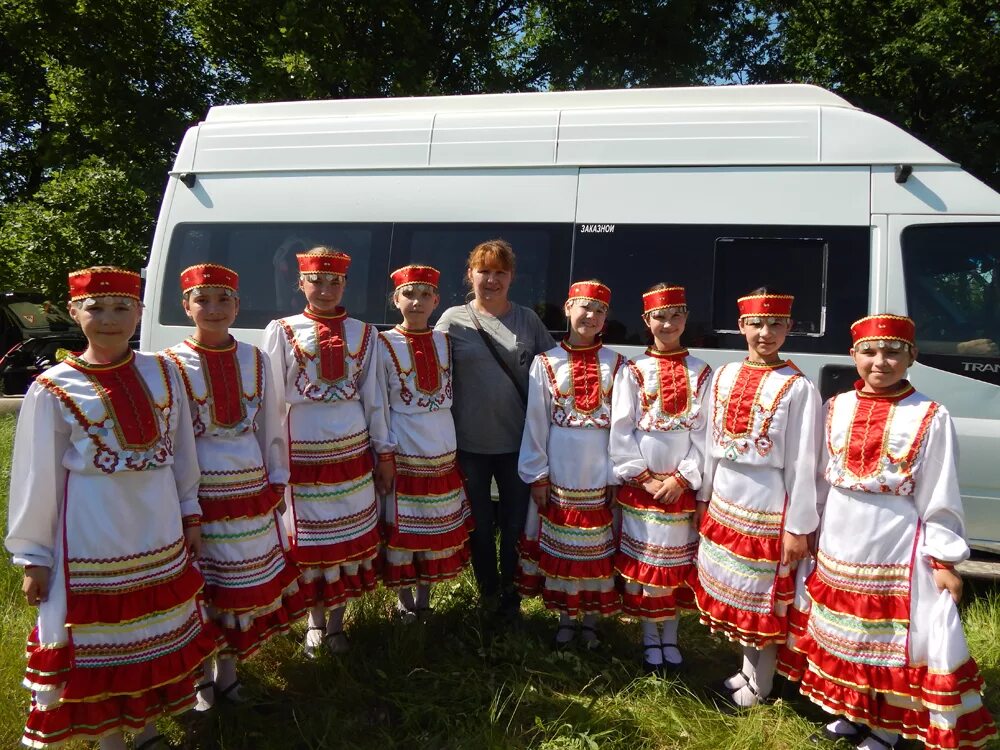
275,50
118,79
930,66
88,215
579,44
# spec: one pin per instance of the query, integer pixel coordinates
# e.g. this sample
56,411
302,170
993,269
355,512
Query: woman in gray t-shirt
489,411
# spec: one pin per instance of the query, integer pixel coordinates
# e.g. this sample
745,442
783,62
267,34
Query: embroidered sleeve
533,461
936,493
271,418
800,457
374,398
187,475
37,479
625,412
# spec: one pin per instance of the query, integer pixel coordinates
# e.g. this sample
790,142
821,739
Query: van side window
719,263
952,277
789,265
264,257
540,279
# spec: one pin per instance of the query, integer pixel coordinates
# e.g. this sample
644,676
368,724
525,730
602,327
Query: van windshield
952,276
40,316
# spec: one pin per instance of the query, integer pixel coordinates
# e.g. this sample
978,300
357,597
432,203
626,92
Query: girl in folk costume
567,550
251,586
878,639
336,415
657,438
757,502
427,516
104,517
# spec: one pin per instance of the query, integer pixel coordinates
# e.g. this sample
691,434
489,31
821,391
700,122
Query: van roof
788,124
770,95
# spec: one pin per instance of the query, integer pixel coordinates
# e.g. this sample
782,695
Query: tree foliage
94,96
66,226
930,66
581,44
312,49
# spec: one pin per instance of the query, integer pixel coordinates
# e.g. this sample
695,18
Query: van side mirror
189,178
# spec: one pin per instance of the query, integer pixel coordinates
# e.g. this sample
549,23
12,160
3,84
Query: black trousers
506,516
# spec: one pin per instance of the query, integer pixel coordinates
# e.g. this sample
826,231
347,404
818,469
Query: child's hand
540,495
654,487
700,509
36,584
385,475
812,539
670,489
192,540
794,547
945,578
279,491
611,494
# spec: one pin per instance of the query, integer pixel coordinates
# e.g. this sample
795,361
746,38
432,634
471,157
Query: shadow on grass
458,680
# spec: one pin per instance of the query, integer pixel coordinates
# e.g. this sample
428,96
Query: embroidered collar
339,314
83,365
200,347
570,348
898,393
408,332
652,351
763,365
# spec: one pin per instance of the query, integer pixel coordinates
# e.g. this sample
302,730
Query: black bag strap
491,345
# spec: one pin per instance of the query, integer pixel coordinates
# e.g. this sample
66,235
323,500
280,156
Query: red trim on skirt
91,608
332,472
95,719
422,571
243,506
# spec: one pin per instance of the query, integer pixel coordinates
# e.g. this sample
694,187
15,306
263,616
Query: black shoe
648,666
559,645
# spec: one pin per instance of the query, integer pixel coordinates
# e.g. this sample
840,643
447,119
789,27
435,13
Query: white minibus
721,189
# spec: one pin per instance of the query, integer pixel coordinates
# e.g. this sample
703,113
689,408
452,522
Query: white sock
763,678
205,698
225,675
114,741
651,638
761,681
888,738
747,669
317,617
671,654
317,622
423,600
405,597
842,727
589,636
567,628
335,623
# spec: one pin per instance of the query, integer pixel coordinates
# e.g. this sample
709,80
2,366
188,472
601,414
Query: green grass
456,682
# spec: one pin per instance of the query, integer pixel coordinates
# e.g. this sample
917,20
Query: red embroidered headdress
672,296
591,291
766,306
325,262
883,327
415,275
104,282
209,274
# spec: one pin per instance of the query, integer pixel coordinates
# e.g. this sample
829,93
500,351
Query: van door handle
834,379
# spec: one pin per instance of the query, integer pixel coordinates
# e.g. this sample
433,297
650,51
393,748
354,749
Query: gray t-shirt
488,412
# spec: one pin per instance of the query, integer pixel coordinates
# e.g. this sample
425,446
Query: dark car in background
32,333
